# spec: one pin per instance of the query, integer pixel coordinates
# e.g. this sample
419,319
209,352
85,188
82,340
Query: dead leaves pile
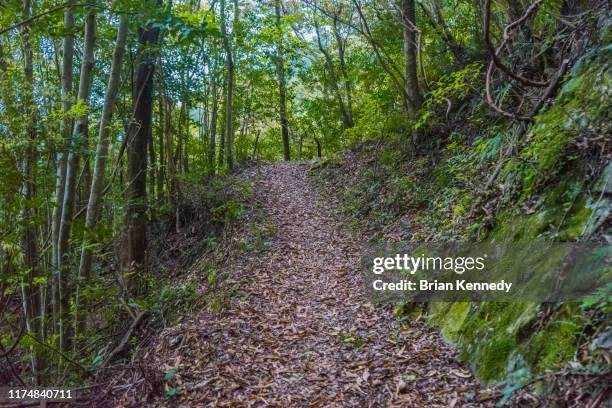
301,332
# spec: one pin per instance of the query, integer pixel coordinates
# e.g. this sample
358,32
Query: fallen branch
126,337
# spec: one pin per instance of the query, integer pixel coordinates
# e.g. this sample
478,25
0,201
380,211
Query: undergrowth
546,190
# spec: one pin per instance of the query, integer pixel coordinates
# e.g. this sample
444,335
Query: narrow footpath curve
307,335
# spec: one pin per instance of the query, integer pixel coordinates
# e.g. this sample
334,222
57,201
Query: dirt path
305,335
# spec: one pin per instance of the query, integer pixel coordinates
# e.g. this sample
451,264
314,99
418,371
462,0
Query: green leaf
169,375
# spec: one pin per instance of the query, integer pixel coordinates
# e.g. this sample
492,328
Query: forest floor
303,333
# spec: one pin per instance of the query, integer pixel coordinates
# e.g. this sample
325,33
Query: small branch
54,10
494,52
552,88
64,356
124,340
489,98
14,345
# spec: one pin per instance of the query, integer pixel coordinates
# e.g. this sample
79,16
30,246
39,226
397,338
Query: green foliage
582,108
601,299
228,212
171,299
449,89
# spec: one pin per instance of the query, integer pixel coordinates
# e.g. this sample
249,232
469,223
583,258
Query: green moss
583,103
454,320
494,359
576,223
487,333
555,344
516,228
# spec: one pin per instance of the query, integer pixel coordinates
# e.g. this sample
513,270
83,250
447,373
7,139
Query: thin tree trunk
255,144
152,172
171,174
341,45
30,292
414,97
65,128
387,64
178,153
97,184
161,173
319,151
185,140
213,126
229,91
282,85
79,132
346,117
223,123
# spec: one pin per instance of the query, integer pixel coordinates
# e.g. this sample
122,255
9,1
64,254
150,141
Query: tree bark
213,126
152,171
65,128
78,135
348,88
139,133
223,123
282,84
97,184
413,94
229,91
30,293
162,128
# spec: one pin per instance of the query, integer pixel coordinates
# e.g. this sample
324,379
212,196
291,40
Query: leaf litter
305,335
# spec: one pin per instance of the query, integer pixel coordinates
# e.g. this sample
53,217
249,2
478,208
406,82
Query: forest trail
306,335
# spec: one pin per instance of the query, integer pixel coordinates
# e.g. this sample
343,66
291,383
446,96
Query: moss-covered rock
495,338
554,345
582,105
545,195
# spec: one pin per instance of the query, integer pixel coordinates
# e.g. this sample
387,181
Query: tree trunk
319,151
172,183
255,144
97,184
78,135
282,84
346,117
140,132
213,126
383,59
152,172
178,153
30,292
65,128
413,94
229,91
341,45
223,123
161,173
